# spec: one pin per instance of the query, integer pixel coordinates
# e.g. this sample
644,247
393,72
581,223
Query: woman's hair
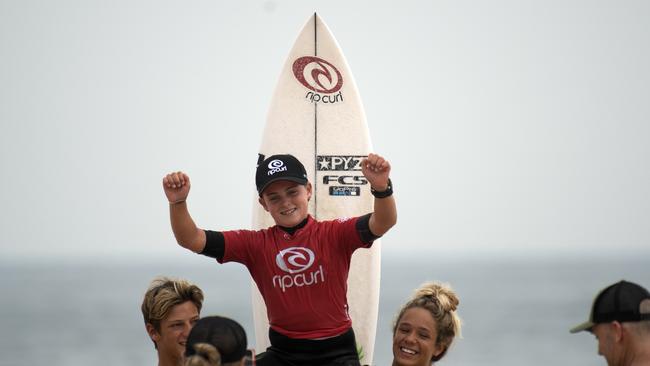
215,340
205,355
441,302
163,294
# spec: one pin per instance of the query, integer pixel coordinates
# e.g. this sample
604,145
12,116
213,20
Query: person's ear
439,350
617,331
263,203
153,333
309,190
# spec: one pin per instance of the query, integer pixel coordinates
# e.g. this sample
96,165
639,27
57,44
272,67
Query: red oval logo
317,74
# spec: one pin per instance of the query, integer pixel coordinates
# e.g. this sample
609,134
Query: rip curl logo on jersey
319,76
276,166
296,261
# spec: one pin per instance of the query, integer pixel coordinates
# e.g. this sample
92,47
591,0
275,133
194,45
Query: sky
513,127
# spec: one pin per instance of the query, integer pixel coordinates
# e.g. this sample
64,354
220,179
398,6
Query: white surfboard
317,116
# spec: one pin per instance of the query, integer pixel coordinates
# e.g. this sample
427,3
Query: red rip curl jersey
302,277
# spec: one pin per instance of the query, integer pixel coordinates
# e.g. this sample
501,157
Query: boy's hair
641,329
163,294
441,302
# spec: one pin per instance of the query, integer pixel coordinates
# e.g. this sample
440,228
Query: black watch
385,193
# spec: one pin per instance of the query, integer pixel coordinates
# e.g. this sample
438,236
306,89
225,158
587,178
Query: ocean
516,311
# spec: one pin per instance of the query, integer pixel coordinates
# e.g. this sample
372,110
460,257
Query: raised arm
377,170
177,187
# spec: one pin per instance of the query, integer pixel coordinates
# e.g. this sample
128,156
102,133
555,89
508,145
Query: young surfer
300,265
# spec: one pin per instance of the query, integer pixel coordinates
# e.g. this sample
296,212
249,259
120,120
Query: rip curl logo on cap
276,166
317,74
295,259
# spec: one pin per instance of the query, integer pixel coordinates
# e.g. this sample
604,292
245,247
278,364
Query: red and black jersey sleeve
363,228
214,245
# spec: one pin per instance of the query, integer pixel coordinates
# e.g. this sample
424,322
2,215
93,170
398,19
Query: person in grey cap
620,320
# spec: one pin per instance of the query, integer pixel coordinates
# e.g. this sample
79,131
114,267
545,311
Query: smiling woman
426,326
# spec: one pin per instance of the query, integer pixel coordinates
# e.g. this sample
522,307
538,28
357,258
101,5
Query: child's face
174,330
287,202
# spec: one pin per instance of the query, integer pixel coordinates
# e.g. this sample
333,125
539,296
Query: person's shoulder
249,232
336,221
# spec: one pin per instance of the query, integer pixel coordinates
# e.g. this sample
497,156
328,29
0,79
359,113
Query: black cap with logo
225,334
623,302
279,167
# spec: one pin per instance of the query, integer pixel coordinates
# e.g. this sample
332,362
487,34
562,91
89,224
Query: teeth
409,351
289,211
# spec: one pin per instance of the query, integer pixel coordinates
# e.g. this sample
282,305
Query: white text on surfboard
339,162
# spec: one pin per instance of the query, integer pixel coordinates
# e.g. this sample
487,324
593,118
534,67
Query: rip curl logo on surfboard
321,77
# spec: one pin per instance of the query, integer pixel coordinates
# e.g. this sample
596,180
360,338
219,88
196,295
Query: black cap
228,336
623,302
279,167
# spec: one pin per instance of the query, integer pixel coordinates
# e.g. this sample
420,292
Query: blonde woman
426,326
216,341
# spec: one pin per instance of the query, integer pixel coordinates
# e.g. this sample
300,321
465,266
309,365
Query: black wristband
385,193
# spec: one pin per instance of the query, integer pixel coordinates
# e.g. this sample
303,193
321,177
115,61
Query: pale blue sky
513,127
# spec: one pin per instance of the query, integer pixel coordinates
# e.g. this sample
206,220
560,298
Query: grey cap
623,302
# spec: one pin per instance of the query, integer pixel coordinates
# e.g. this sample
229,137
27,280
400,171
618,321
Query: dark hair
224,334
